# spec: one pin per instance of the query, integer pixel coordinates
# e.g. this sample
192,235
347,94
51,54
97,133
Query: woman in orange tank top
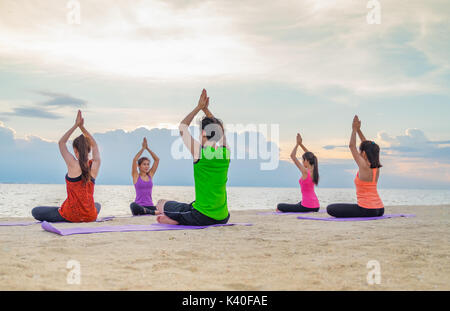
368,161
80,180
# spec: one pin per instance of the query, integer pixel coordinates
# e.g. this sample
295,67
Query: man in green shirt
211,164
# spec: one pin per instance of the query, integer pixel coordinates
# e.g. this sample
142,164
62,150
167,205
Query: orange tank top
366,192
79,205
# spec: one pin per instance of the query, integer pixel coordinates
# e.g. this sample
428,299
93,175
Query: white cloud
323,47
415,144
148,39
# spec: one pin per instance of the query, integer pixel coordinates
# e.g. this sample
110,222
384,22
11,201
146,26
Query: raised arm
360,134
134,170
300,142
356,127
96,161
192,144
70,160
294,157
207,112
155,162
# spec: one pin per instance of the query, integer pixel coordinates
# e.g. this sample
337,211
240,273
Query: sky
307,66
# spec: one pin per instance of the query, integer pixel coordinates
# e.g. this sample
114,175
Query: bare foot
163,219
160,206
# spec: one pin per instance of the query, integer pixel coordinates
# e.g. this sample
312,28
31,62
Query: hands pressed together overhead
203,102
356,123
144,143
79,120
299,139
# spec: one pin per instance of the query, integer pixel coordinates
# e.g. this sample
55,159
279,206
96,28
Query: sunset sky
306,65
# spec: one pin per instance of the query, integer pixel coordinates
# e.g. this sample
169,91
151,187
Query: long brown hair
312,159
372,151
81,143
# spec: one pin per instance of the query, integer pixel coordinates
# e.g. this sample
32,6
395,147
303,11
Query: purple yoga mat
127,228
133,216
288,213
357,218
29,223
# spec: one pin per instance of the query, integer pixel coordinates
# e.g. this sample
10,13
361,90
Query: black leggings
353,210
295,208
137,209
51,214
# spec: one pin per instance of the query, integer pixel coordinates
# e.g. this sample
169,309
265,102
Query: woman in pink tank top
310,177
143,182
369,203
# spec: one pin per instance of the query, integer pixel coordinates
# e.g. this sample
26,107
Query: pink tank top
309,198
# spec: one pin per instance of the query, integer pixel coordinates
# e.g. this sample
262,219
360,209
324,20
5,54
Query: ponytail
83,147
312,159
316,171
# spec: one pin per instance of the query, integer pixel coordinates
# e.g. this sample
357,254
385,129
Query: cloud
32,112
30,160
61,100
332,147
414,143
323,47
6,136
46,109
34,160
118,148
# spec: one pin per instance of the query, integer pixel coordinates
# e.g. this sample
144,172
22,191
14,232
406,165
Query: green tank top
210,176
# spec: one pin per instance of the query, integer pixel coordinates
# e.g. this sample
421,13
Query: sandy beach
276,253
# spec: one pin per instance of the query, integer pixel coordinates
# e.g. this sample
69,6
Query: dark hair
213,128
372,151
142,160
82,145
312,159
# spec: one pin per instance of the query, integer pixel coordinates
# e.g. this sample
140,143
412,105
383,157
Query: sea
17,200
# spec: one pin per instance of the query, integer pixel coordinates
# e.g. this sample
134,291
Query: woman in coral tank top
80,180
368,161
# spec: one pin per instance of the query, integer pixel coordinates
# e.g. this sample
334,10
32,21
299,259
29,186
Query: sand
276,253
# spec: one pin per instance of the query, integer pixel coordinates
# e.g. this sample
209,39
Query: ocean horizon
17,200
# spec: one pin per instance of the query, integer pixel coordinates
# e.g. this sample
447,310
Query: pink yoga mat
127,228
29,223
357,218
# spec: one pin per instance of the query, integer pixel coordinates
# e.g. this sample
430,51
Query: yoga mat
29,223
288,213
357,218
127,228
19,223
133,216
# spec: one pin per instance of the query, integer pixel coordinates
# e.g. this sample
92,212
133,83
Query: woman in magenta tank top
143,182
310,177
